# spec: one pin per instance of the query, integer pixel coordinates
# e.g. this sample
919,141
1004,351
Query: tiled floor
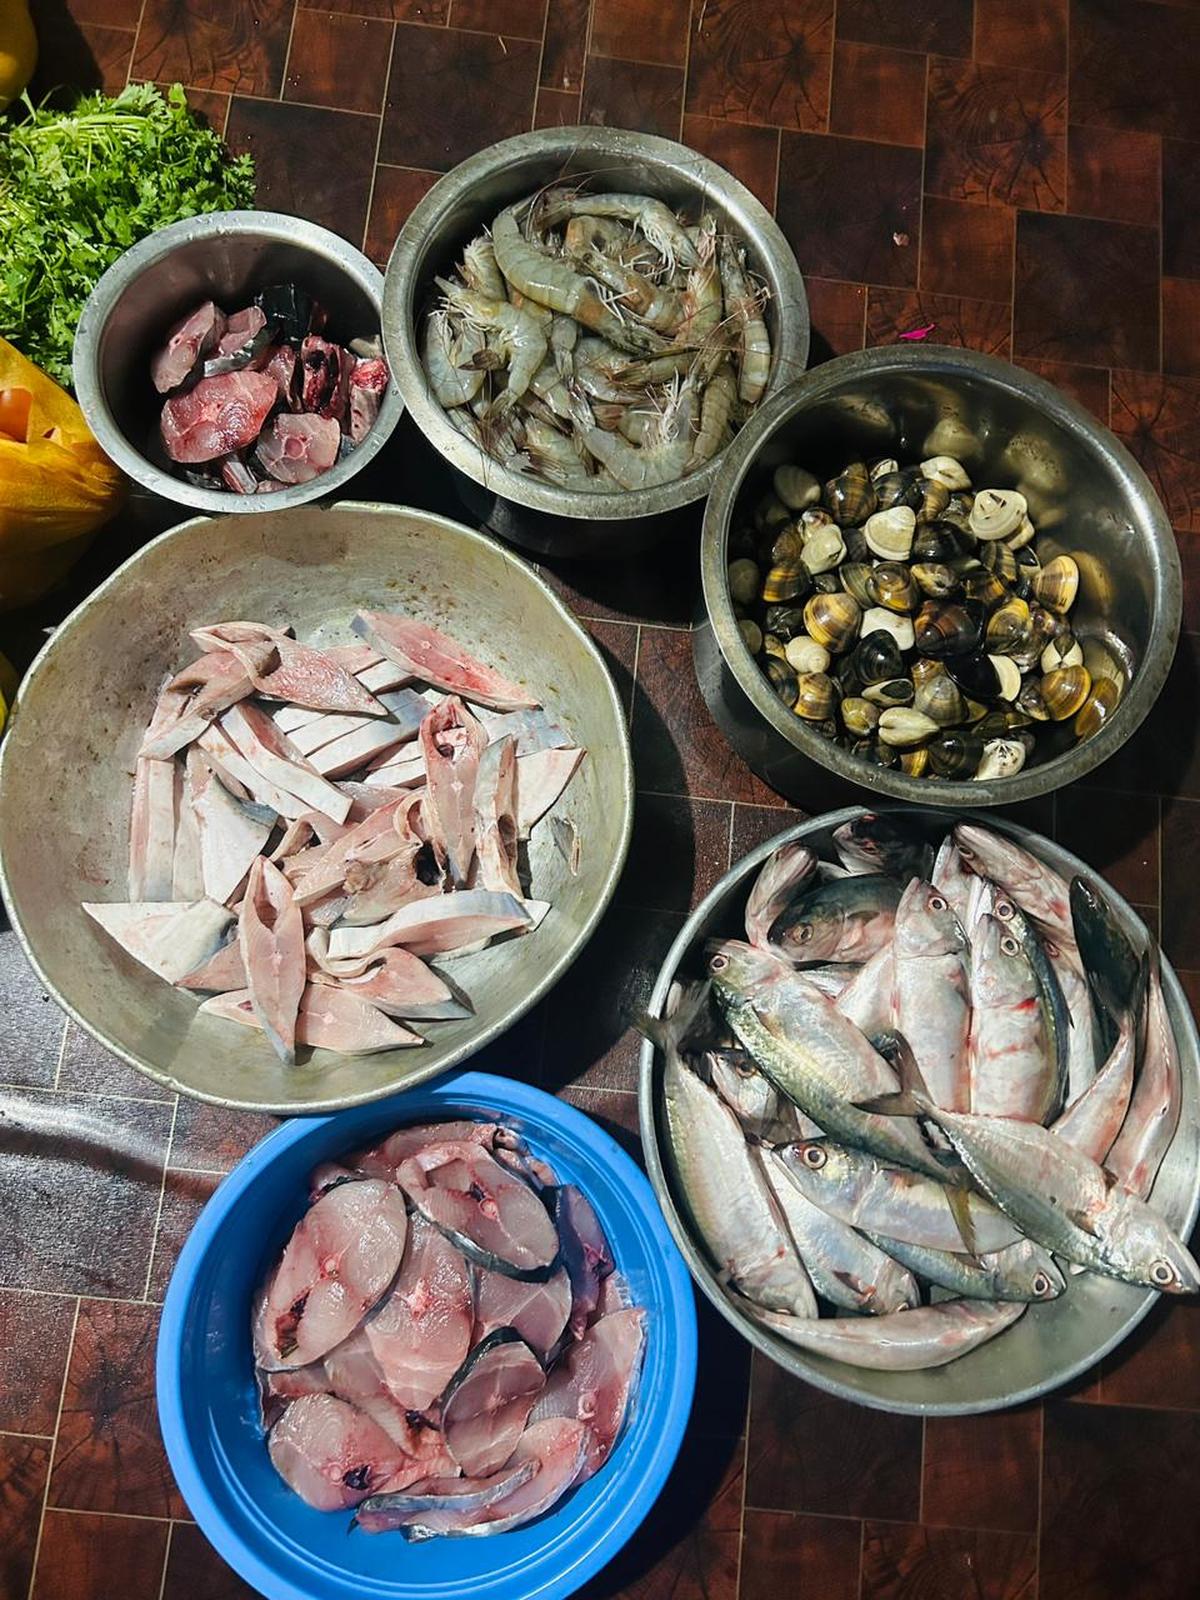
1016,172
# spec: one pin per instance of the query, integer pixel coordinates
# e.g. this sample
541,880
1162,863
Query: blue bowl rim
459,1090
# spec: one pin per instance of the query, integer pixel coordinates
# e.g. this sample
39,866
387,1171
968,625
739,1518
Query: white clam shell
880,618
997,513
806,655
1009,674
795,487
947,471
890,533
1002,758
902,726
824,550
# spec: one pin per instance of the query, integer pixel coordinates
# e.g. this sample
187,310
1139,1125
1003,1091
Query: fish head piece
873,843
738,968
1144,1239
926,924
814,1164
1034,1271
980,899
1000,971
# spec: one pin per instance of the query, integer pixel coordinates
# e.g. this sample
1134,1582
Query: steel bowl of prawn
620,303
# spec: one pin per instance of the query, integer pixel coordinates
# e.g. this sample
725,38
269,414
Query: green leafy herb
79,187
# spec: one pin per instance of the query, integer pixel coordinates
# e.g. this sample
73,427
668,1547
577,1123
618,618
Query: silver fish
753,1099
930,995
867,999
1011,1059
1021,1271
1057,1012
778,881
1037,888
845,919
1106,951
872,843
1094,1120
906,1341
952,878
1154,1109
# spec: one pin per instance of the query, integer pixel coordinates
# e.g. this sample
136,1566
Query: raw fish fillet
329,1019
452,741
237,773
219,635
429,927
485,1408
231,834
541,778
152,831
217,680
306,676
496,818
586,1254
187,875
271,935
492,1215
422,1331
593,1381
402,985
331,1453
559,1446
270,754
386,1512
218,416
437,659
329,872
297,449
353,1374
383,1160
221,972
170,937
537,1311
192,336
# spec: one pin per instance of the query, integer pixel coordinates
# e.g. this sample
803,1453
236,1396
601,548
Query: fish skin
170,937
437,659
187,873
1040,891
844,919
905,1341
1010,1054
1021,1271
435,926
1081,1037
537,1311
753,1099
585,1252
866,1001
232,835
950,875
1058,1017
882,843
1091,1123
1109,960
531,730
781,994
1153,1115
496,818
930,996
384,1513
453,741
542,778
780,877
221,972
271,935
272,755
329,1018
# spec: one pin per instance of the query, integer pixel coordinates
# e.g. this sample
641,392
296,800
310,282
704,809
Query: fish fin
1084,1222
902,1104
669,1032
959,1201
900,1056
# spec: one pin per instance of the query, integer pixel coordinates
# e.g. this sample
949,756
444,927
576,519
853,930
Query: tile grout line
287,54
737,1585
921,1483
833,44
683,91
16,1433
924,160
637,660
537,84
62,1051
137,33
162,1191
85,1094
124,1516
729,841
62,1397
862,1552
387,84
162,1585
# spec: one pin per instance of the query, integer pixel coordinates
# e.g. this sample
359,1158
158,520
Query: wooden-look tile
436,114
309,161
1159,1364
966,249
84,57
618,643
185,1194
94,1557
556,108
1181,208
722,1376
432,12
680,848
1086,291
1159,420
23,1467
1131,66
196,1572
338,61
616,1110
215,46
1113,174
982,1472
1156,758
1088,385
786,1553
677,747
877,93
1116,834
851,209
1189,559
1181,326
754,825
1022,33
759,61
514,19
997,135
638,32
633,94
88,1067
1099,1458
943,26
35,1334
970,324
396,192
812,1452
102,1161
750,153
565,44
111,13
1181,853
905,1562
31,1025
209,104
215,1138
109,1454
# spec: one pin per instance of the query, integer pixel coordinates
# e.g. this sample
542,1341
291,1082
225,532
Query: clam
997,557
770,513
816,696
877,656
903,726
832,620
948,628
752,634
812,520
1056,584
786,580
1065,651
1002,758
935,579
827,583
857,548
935,497
958,513
997,513
1010,627
783,680
1031,701
890,692
935,541
947,471
860,716
891,585
1002,724
980,584
975,676
878,619
1102,701
915,763
773,646
1024,533
785,620
851,495
880,469
890,533
937,695
879,755
1008,676
823,551
856,580
743,581
787,544
845,674
1064,690
795,487
955,754
805,654
899,488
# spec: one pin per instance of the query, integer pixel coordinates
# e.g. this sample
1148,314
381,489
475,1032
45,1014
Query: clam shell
855,578
1064,690
773,646
1065,651
1024,533
958,513
795,487
980,584
782,679
823,551
1057,584
937,695
785,620
891,585
1010,627
997,513
805,654
890,533
975,676
890,692
997,557
816,696
935,579
946,470
752,634
770,513
1002,758
850,496
936,541
903,726
877,656
860,716
900,488
832,620
935,497
956,754
948,627
1102,701
878,619
743,578
785,580
1031,700
915,762
880,469
1008,676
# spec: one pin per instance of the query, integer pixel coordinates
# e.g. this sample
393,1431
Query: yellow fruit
18,49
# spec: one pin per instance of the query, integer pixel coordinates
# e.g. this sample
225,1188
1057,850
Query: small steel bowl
226,256
541,516
1056,1341
68,754
1086,494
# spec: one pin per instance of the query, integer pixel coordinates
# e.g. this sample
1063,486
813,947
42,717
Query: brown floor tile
1022,33
215,1138
514,19
971,324
1190,983
196,1572
677,747
1181,208
997,135
754,825
1147,1462
556,108
1156,758
1189,559
877,93
902,1561
1132,66
1181,326
750,153
618,645
91,1069
31,1025
680,849
1113,174
431,12
1181,852
396,192
109,1454
565,44
338,61
614,1109
837,312
208,104
1159,1365
1116,834
874,240
312,162
637,32
941,25
1159,420
91,56
966,249
23,1467
102,1161
433,70
99,1558
1086,291
982,1472
112,13
35,1334
758,61
1088,385
630,94
239,48
185,1194
867,1463
783,1553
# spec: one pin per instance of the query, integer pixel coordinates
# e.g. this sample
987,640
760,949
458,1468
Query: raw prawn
653,218
514,333
744,306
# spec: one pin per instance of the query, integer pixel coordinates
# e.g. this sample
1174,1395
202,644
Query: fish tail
668,1033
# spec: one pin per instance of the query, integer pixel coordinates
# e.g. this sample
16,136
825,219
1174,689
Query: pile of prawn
599,342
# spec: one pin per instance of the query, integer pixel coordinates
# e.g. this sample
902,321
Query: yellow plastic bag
8,688
57,487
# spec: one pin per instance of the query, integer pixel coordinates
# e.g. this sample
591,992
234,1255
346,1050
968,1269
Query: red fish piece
220,415
439,660
297,449
485,1208
452,742
486,1408
192,336
368,384
592,1383
421,1333
325,376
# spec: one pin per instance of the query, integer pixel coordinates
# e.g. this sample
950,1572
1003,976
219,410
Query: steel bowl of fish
920,1097
482,1395
330,809
233,362
579,320
932,575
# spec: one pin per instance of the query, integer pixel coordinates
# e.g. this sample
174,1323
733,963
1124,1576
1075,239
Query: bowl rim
739,460
156,247
824,1373
549,976
400,339
463,1091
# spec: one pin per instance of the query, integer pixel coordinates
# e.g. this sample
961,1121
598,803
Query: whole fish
866,1000
890,844
905,1341
1021,1271
1082,1062
779,879
1011,1058
950,875
1157,1098
847,919
1040,891
930,1000
1093,1121
1055,1009
1109,959
753,1099
781,993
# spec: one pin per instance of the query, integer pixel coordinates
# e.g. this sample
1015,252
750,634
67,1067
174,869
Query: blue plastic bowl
208,1405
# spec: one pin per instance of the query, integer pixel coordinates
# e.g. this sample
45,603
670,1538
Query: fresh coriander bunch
79,187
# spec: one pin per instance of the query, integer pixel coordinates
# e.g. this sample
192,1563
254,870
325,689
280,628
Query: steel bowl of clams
930,574
579,320
922,1109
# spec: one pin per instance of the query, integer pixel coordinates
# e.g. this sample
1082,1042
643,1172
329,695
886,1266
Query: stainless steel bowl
1086,494
1054,1342
68,753
541,516
226,256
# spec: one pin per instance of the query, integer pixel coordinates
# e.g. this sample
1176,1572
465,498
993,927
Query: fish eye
1041,1285
718,963
814,1156
1003,909
1009,945
1163,1272
806,933
938,902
